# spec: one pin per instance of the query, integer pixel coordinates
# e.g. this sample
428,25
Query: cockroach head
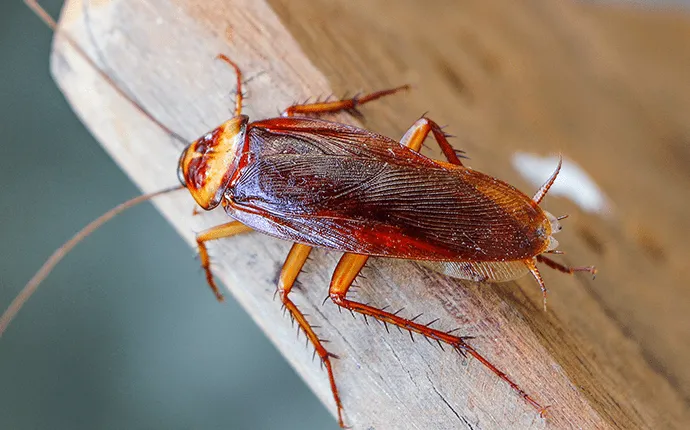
207,164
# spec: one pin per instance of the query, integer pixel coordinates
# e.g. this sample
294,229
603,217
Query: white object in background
573,182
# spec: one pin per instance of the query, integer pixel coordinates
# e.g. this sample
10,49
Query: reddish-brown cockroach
323,184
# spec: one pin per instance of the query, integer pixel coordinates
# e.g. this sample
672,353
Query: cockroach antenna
50,23
541,193
31,286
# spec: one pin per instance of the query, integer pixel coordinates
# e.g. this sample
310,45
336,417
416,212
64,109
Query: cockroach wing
359,192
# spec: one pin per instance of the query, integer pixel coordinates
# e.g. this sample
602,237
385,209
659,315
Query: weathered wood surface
542,77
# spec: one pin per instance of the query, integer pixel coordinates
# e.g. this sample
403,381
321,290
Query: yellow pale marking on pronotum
205,164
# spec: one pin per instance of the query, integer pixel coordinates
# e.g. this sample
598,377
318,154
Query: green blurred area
125,333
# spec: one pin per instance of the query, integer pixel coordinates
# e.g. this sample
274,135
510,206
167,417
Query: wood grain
542,77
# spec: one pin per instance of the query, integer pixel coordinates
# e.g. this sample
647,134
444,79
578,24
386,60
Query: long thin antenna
31,286
50,22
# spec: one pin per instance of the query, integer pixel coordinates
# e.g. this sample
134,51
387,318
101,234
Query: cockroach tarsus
324,184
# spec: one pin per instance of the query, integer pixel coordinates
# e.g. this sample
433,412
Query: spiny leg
218,232
532,266
541,192
566,269
415,136
238,74
345,273
291,268
349,105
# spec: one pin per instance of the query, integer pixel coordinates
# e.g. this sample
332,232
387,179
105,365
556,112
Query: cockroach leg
350,104
415,136
345,273
566,269
532,266
218,232
238,74
541,192
291,268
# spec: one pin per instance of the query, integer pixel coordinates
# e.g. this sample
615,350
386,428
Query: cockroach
324,184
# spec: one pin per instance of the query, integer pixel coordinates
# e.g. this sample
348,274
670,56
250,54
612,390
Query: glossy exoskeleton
325,184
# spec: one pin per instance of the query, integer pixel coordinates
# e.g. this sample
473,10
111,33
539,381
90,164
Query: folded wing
359,196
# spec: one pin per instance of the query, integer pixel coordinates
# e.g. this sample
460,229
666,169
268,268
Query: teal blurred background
124,333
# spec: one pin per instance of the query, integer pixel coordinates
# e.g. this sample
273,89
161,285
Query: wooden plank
495,74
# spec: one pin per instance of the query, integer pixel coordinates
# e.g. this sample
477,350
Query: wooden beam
505,78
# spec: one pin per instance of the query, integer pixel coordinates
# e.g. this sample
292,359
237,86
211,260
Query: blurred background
111,341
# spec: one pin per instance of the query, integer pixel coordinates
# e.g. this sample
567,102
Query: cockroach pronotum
324,184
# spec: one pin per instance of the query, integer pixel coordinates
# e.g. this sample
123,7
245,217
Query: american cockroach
318,183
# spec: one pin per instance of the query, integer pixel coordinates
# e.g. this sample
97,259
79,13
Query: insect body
327,184
324,184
